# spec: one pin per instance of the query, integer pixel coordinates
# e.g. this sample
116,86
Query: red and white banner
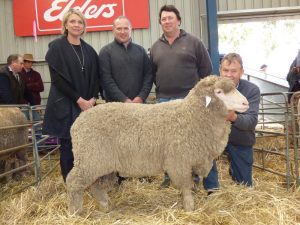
42,17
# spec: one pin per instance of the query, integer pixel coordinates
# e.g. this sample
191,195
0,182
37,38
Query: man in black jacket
12,87
125,67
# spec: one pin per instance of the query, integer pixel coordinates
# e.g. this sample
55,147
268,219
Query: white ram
147,139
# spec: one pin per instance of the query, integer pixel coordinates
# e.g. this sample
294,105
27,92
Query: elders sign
43,17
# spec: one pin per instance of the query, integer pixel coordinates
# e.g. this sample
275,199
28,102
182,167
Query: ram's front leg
188,200
184,182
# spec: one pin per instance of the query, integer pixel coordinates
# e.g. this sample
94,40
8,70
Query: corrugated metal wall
145,37
9,43
193,14
226,5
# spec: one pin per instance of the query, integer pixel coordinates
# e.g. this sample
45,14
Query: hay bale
137,203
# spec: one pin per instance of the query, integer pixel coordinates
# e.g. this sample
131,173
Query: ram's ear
207,100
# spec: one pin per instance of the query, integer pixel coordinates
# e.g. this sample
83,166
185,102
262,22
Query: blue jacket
243,129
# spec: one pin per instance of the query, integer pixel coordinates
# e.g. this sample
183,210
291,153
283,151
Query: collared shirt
16,75
27,70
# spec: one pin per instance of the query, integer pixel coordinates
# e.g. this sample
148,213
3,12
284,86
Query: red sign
42,17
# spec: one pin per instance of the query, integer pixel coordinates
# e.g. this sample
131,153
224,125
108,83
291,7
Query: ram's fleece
147,139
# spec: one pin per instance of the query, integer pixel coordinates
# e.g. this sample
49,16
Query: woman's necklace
81,64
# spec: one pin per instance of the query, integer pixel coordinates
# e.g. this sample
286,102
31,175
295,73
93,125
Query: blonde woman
75,83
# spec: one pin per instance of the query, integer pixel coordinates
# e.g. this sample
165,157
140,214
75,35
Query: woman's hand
93,101
84,104
137,100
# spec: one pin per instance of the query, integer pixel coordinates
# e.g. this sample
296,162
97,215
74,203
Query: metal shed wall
193,14
247,10
9,43
226,5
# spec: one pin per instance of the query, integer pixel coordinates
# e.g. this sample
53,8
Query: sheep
139,140
12,137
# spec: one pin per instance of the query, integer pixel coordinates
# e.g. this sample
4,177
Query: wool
12,138
139,140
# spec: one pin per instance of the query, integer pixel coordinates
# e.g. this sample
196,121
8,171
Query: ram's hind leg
101,187
76,183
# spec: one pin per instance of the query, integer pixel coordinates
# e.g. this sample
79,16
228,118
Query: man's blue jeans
212,179
160,100
241,161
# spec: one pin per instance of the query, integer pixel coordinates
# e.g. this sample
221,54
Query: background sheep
12,138
144,140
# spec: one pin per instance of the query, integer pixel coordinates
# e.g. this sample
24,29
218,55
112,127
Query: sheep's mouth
242,109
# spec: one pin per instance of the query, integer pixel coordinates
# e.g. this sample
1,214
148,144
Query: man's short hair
230,57
11,58
169,8
121,17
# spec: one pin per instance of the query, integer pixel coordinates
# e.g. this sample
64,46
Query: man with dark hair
179,61
169,8
12,87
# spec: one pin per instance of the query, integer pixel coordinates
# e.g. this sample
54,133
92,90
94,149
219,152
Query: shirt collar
182,33
125,46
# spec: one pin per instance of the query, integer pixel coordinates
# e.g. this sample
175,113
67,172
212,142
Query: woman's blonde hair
71,11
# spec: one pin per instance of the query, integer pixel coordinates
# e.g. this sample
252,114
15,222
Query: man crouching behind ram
144,140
